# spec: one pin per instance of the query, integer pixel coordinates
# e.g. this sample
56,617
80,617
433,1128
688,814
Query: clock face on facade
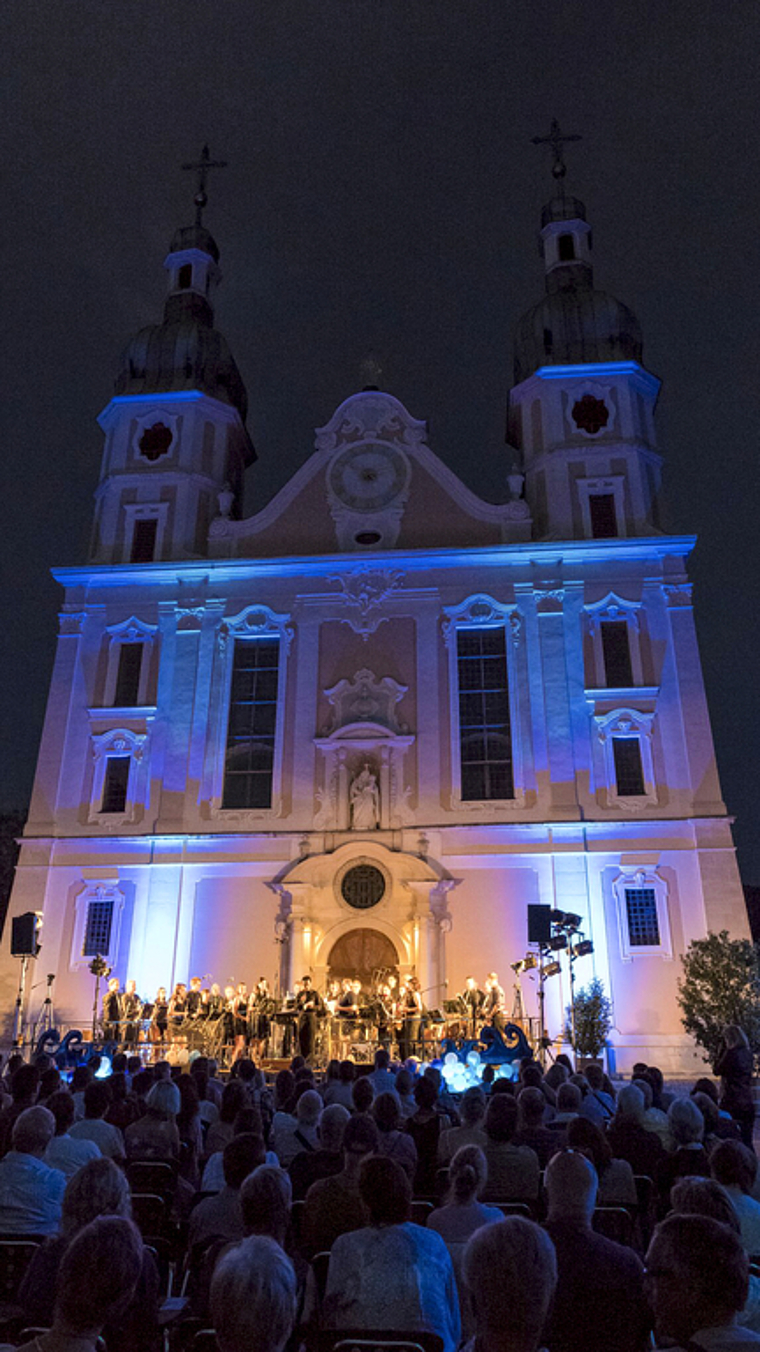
367,477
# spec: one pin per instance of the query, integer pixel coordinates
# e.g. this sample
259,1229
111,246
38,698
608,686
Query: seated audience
394,1142
188,1123
597,1279
327,1159
340,1084
629,1138
425,1128
64,1152
97,1281
24,1087
463,1213
265,1200
704,1197
531,1108
220,1217
362,1095
247,1120
382,1079
727,1129
154,1136
472,1112
253,1297
697,1283
405,1091
513,1172
532,1077
333,1205
93,1126
81,1077
234,1099
290,1135
735,1168
391,1275
598,1106
654,1119
616,1185
122,1109
98,1189
30,1191
569,1102
510,1273
689,1157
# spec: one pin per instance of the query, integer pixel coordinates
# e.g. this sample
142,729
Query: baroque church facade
371,724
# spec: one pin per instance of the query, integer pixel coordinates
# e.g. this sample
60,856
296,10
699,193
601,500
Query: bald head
571,1185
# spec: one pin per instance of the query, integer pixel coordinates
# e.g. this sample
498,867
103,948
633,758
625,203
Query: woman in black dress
240,1021
160,1018
736,1066
260,1010
178,1013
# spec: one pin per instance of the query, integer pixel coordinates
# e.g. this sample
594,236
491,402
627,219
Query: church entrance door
363,954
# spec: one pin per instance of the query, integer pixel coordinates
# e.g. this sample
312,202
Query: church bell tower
176,440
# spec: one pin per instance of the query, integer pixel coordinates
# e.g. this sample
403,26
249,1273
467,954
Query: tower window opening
548,342
144,540
601,508
185,277
155,441
115,784
616,651
127,691
368,537
566,248
629,771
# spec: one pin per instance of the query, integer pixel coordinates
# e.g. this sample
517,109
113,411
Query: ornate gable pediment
366,699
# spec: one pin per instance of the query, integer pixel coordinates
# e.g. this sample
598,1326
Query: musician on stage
240,1021
159,1020
215,1002
495,1006
194,997
384,1013
177,1011
131,1012
474,999
112,1015
309,1005
409,1011
260,1011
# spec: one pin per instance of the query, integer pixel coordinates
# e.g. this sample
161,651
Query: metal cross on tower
556,140
201,168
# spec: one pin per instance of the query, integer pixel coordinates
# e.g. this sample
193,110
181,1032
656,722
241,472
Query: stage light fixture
572,921
552,969
525,964
557,943
583,949
557,917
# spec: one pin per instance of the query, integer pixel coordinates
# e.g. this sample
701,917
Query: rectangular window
629,772
144,539
249,761
616,651
641,912
601,508
115,784
97,930
485,740
127,692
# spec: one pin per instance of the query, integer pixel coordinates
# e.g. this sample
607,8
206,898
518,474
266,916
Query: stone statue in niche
364,797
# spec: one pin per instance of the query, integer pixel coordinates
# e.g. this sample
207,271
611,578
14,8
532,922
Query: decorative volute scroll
369,416
613,607
363,592
481,610
366,698
256,622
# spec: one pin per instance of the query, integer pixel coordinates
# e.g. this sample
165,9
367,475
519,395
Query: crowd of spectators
377,1200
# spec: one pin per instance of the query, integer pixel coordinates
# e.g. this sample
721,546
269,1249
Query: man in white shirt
30,1191
381,1078
697,1275
93,1128
64,1152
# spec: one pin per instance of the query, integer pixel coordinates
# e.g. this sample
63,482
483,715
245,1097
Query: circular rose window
363,886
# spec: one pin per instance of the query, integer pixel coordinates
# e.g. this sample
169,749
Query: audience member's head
332,1125
61,1105
433,1074
99,1188
164,1101
630,1105
50,1083
686,1122
308,1108
284,1084
472,1109
531,1076
33,1131
425,1093
265,1200
241,1156
504,1086
695,1196
98,1276
594,1077
591,1140
382,1059
645,1089
468,1173
333,1070
253,1297
347,1072
697,1276
80,1079
404,1082
734,1165
710,1113
510,1272
97,1097
360,1138
142,1083
162,1070
249,1120
25,1083
571,1184
386,1112
362,1094
704,1085
531,1106
569,1098
385,1190
501,1118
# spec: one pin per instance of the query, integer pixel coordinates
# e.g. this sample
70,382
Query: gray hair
332,1124
253,1297
630,1104
510,1270
686,1121
99,1188
164,1100
33,1131
308,1108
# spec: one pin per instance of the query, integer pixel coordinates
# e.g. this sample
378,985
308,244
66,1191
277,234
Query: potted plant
593,1020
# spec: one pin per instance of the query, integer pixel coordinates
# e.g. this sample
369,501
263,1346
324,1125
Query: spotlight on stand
552,969
525,964
557,917
582,949
557,943
566,920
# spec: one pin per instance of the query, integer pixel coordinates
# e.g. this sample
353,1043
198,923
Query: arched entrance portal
365,954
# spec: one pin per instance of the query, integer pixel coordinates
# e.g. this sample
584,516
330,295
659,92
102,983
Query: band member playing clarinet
308,1004
473,999
495,1006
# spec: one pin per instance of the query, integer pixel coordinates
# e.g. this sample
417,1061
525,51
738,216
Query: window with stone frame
252,723
485,739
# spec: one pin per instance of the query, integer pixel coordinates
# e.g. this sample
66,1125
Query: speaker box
539,925
24,935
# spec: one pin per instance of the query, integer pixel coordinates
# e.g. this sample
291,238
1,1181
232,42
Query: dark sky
382,195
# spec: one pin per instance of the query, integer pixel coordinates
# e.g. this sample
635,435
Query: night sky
382,196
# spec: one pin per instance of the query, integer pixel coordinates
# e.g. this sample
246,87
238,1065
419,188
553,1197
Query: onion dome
185,352
575,323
